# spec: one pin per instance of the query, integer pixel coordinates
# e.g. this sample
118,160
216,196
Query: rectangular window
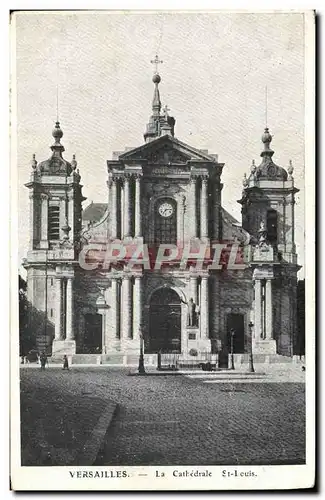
51,313
54,223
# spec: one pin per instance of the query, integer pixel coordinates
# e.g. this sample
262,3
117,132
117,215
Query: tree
27,340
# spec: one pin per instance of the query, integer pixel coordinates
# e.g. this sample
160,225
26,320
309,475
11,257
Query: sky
216,67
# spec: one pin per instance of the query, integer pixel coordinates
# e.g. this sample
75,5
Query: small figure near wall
65,363
43,360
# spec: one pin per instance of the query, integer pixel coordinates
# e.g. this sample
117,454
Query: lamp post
141,369
232,334
251,365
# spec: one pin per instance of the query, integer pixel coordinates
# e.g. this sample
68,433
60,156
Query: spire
156,103
56,164
267,139
159,124
57,134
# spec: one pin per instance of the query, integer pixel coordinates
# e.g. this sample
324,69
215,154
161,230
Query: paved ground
175,420
62,422
183,420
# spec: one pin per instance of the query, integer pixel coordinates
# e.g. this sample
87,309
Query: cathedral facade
160,259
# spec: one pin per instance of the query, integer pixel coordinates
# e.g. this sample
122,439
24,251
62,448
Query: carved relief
167,157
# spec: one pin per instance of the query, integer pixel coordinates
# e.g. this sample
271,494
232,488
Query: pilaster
204,307
44,221
192,223
126,308
137,306
69,311
113,218
138,228
204,208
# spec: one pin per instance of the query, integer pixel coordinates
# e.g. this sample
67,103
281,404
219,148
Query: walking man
43,360
65,363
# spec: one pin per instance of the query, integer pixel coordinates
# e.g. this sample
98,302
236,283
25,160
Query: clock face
166,209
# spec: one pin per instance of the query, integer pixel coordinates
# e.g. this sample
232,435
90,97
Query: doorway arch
165,321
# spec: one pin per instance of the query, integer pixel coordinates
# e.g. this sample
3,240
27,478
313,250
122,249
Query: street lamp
141,369
251,365
232,334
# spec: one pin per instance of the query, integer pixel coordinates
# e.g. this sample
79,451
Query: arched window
272,226
166,221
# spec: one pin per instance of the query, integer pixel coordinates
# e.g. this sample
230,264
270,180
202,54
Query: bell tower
55,223
269,196
268,201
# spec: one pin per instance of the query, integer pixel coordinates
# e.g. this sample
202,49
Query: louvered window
54,223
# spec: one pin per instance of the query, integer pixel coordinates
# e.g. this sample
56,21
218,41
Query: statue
191,313
262,235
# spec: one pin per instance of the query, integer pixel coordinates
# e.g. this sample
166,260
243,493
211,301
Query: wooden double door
165,322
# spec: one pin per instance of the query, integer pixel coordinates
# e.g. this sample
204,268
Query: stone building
160,193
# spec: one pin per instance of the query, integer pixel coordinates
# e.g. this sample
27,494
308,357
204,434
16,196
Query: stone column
268,310
258,310
204,307
104,321
127,204
289,223
32,225
126,308
115,307
58,308
138,229
204,208
137,306
63,204
71,216
69,311
193,289
113,220
44,220
192,223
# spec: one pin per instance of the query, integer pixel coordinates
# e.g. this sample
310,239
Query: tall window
272,226
166,221
54,223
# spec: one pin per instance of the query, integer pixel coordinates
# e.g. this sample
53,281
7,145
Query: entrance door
235,322
93,334
165,322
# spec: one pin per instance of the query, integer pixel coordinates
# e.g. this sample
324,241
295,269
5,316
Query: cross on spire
156,61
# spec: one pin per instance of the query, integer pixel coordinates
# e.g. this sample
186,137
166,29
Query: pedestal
130,346
267,346
61,347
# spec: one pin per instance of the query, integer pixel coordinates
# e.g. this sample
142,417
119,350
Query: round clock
166,209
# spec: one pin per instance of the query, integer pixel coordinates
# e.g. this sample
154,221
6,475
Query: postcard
162,193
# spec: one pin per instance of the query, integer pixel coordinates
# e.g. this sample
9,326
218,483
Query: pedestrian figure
43,360
65,362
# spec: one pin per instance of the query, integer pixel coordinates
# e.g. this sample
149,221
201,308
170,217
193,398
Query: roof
228,217
94,212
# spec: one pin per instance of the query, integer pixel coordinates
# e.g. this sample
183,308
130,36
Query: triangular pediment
166,149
